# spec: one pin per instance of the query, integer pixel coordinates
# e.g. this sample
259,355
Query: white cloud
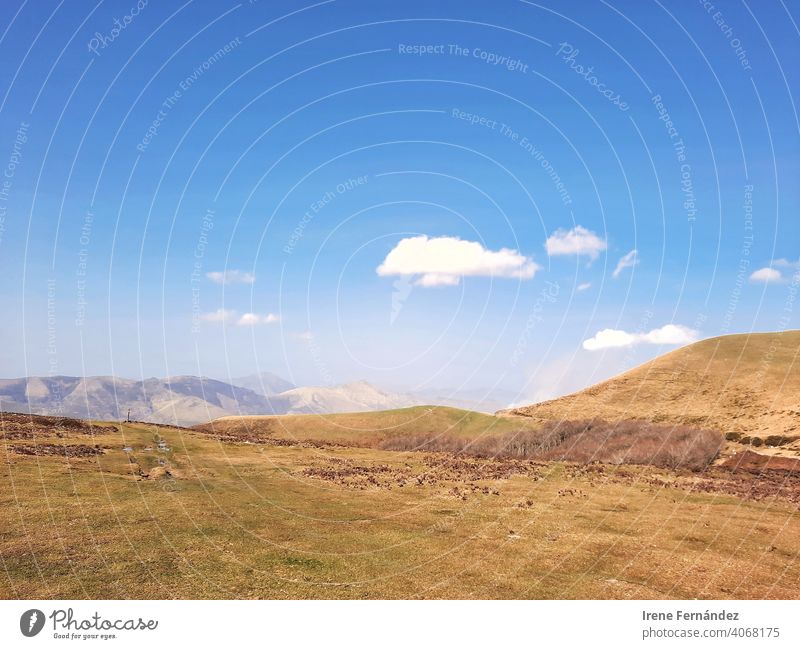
220,315
251,319
231,277
227,316
670,334
303,335
627,261
765,275
607,338
786,263
583,287
443,261
578,241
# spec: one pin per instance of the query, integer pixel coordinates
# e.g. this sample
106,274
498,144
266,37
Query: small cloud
231,277
786,263
252,319
443,261
304,335
607,338
765,275
583,287
628,261
670,334
220,315
578,241
227,316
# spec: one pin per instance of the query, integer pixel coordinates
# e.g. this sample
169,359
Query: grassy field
284,517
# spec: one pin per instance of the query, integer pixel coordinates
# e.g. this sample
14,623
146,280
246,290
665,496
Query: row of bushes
769,440
595,440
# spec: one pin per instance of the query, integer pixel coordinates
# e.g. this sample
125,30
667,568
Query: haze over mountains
190,400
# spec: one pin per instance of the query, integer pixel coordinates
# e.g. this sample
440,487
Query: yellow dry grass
214,519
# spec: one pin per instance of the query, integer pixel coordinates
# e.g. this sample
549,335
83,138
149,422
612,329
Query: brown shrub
623,442
779,440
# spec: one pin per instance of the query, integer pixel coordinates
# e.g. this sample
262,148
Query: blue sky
295,146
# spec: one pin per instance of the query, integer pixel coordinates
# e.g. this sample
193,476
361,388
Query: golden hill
747,383
365,428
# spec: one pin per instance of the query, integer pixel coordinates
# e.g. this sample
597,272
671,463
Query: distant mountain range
263,383
190,400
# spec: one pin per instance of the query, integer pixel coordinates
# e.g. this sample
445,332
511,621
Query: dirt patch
163,473
258,438
756,463
468,474
15,425
748,486
64,450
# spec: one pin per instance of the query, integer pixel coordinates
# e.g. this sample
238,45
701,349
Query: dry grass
624,442
213,519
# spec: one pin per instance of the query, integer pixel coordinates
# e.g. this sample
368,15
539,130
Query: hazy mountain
481,400
351,397
190,400
181,400
264,383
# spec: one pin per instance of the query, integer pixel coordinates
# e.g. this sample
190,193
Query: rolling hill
745,383
366,428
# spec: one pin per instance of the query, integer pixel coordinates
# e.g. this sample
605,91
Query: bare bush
623,442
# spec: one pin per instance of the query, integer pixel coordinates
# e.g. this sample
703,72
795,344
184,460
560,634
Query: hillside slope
365,428
748,383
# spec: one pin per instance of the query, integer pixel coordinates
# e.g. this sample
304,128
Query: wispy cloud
231,277
252,319
627,261
230,316
583,287
220,315
578,241
670,334
443,261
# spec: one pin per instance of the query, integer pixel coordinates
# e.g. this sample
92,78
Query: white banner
379,624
